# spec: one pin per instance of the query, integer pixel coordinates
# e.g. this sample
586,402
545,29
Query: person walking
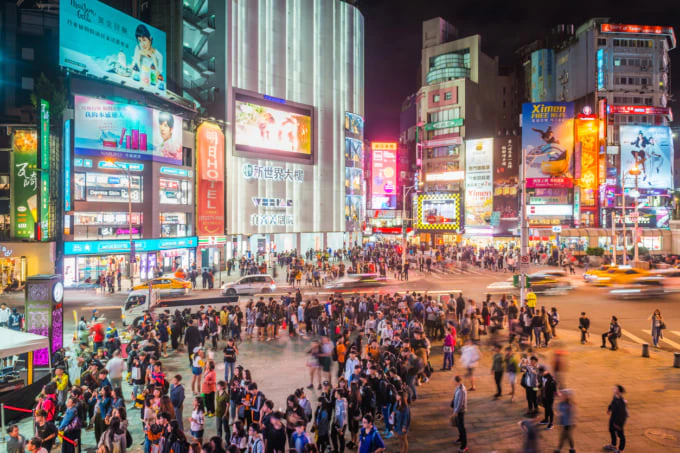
530,384
459,406
618,414
584,327
511,369
657,327
548,388
565,409
497,369
470,357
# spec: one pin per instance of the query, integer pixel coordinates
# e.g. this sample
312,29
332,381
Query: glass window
175,191
111,225
435,98
448,95
79,183
110,188
175,224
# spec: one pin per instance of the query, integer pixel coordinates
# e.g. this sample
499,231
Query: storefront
85,261
657,241
19,260
212,252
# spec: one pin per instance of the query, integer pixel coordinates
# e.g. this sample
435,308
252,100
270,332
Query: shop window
79,184
174,191
187,157
4,163
175,224
113,188
113,225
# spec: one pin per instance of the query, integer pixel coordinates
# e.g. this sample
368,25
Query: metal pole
2,421
524,229
403,228
635,254
614,244
623,220
130,225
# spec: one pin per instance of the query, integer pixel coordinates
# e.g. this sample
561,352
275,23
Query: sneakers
389,435
462,450
550,426
544,422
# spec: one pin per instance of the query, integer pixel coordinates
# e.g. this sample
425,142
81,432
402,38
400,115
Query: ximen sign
210,148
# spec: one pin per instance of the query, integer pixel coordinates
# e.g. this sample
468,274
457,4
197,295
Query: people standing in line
459,406
402,421
16,442
613,334
177,399
657,326
449,345
566,416
369,437
497,369
548,388
618,414
584,327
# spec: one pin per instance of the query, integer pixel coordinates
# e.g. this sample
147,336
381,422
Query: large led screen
110,129
650,149
109,44
548,140
384,176
438,212
478,182
276,129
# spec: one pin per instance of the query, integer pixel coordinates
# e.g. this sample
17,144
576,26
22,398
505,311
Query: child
197,420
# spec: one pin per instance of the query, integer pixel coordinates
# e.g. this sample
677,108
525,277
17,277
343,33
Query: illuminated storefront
438,218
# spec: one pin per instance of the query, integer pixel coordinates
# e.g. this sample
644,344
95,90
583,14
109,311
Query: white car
252,284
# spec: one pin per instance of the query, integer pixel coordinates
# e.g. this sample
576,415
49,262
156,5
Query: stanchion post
2,421
645,350
676,364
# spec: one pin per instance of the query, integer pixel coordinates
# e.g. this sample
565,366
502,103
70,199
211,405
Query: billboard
354,178
110,129
45,169
210,160
384,175
354,208
107,43
272,128
478,182
438,211
650,148
24,183
506,177
587,165
548,141
542,75
354,152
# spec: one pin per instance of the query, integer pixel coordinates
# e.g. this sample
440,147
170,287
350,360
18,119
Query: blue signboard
140,245
105,42
118,165
171,171
67,165
600,69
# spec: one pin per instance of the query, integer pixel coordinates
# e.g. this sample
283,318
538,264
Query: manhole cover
666,437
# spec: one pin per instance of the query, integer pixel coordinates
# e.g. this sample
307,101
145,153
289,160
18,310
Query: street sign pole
524,231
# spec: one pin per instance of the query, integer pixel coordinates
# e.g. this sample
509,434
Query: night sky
393,39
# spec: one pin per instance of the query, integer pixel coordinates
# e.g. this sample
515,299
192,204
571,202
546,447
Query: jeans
617,431
532,401
448,360
567,434
537,335
411,384
462,434
548,409
656,334
386,411
178,417
228,371
338,438
498,376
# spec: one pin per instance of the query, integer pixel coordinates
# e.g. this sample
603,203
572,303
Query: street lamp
635,171
406,190
126,171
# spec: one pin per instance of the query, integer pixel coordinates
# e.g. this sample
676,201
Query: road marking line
675,332
670,343
633,337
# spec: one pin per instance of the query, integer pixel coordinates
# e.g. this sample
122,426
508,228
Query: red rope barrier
70,441
18,409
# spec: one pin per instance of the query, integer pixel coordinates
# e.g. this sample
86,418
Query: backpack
179,446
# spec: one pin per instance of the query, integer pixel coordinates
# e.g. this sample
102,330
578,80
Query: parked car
252,284
166,285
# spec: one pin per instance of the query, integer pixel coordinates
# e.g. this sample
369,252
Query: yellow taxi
615,275
166,285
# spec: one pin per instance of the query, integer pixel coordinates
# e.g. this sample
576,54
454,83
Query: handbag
128,439
662,325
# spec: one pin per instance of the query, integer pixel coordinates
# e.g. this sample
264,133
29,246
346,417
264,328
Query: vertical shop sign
44,169
67,165
24,183
210,146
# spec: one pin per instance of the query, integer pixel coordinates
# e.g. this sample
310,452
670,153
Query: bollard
676,360
645,350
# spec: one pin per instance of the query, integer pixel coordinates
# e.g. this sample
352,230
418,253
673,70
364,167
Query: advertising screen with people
438,211
650,149
277,129
107,128
106,43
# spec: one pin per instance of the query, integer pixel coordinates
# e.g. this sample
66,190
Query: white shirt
116,367
197,420
4,314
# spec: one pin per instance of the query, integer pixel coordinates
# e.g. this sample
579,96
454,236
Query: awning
13,342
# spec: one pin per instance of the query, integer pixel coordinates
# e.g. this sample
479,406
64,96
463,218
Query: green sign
45,167
24,183
456,122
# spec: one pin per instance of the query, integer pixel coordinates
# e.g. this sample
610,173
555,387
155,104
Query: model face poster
650,149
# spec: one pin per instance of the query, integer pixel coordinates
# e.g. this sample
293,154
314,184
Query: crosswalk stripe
669,342
633,337
675,332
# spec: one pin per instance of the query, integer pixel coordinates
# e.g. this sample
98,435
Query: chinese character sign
478,182
25,184
586,131
650,149
105,42
44,166
548,140
210,157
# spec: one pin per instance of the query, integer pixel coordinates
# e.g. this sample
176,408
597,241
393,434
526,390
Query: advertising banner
45,167
586,137
110,129
478,182
25,183
384,176
66,153
210,159
650,148
548,141
105,42
354,208
354,125
542,75
354,178
647,218
354,152
506,160
277,129
438,212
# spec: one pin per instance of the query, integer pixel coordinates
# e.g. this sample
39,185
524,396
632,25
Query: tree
51,91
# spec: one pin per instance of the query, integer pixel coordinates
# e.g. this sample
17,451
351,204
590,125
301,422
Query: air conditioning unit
643,68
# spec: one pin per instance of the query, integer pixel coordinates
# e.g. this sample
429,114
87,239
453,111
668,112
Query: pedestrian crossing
671,338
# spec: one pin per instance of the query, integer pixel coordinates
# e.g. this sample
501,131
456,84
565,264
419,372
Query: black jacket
192,338
618,412
548,387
